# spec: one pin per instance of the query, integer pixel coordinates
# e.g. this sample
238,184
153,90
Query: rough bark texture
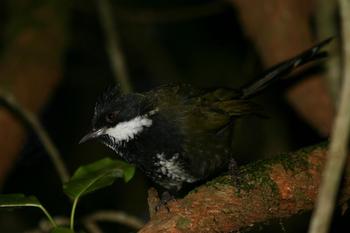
280,29
276,188
30,67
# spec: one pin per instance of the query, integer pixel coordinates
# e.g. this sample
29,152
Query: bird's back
204,118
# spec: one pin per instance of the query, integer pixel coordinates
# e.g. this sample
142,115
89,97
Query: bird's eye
111,117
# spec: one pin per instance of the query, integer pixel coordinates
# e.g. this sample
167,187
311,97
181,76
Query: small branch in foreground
267,189
45,225
334,167
326,26
116,55
31,121
90,222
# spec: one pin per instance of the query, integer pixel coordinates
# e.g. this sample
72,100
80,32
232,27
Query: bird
178,134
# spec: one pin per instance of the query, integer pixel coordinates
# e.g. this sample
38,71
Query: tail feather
282,69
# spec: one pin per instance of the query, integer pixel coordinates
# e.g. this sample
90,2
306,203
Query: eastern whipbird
179,134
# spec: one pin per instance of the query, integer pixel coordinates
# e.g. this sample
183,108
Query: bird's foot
165,198
233,172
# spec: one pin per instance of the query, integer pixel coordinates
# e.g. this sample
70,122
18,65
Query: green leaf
97,175
20,200
61,230
94,176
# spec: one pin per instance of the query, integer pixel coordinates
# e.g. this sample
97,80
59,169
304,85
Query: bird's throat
128,130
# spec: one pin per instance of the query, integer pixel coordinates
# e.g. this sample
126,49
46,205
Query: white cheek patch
127,130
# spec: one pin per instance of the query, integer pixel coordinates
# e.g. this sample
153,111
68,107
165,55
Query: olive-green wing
201,110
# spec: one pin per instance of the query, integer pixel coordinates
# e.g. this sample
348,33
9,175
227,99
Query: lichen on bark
267,189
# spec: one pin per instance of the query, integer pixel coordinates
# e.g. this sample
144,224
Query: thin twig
116,55
61,221
90,222
327,26
31,121
92,227
45,226
322,216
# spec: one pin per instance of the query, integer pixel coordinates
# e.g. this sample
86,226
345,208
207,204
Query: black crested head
108,96
112,107
105,105
119,118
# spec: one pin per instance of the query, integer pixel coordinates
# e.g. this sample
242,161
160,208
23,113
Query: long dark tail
284,68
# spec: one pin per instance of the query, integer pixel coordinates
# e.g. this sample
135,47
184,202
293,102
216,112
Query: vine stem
113,47
74,206
326,11
48,216
322,216
114,216
31,121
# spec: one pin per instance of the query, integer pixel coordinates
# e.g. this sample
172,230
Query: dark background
206,49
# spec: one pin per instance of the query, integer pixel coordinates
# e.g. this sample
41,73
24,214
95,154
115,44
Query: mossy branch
267,189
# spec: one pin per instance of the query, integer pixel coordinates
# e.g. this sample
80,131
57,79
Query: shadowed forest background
54,60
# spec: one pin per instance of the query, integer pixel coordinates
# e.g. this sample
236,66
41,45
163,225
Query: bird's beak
91,135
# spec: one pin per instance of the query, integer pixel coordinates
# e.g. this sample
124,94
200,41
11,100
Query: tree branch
31,81
279,29
113,47
325,18
31,121
267,189
339,142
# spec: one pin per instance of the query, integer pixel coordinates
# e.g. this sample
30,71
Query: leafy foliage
97,175
18,200
86,179
61,230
